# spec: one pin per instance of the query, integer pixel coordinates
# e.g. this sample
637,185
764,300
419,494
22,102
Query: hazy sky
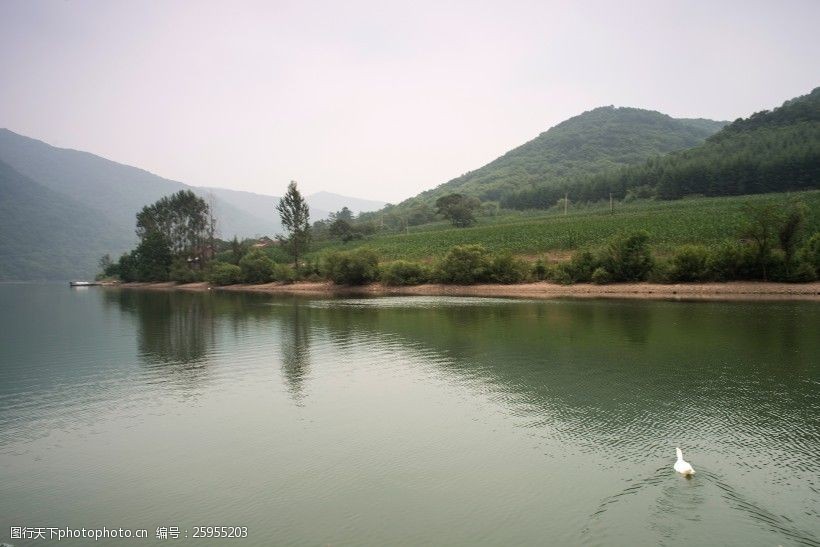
376,99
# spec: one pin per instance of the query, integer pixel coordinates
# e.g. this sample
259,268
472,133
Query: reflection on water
295,348
175,331
411,420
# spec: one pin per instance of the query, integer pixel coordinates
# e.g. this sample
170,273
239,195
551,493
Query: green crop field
670,223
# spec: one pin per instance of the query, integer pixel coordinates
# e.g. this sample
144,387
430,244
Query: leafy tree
295,217
342,229
810,253
127,268
458,209
761,225
420,214
238,250
343,214
211,228
108,268
153,258
790,231
105,262
183,219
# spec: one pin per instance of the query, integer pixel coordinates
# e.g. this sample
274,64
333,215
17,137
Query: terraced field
670,223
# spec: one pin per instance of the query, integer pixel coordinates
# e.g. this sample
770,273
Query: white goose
682,466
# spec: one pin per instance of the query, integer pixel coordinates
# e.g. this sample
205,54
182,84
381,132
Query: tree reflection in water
175,331
295,346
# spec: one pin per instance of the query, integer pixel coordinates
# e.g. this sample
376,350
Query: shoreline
733,290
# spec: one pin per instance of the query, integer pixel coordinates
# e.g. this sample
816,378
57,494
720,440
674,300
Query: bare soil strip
743,290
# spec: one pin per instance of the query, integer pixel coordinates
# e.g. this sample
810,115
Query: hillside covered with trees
770,151
590,143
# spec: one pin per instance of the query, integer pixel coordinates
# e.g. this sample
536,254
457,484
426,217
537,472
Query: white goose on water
682,466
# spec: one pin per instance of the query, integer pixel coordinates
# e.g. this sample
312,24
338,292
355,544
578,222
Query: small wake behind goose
681,466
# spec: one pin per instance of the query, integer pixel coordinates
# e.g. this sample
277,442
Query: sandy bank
688,291
168,286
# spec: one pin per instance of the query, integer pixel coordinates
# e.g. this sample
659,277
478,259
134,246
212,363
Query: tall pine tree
293,211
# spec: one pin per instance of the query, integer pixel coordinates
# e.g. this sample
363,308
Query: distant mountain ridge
334,202
590,143
43,231
109,194
322,204
116,190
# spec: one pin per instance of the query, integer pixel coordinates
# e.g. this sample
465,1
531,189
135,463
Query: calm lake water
447,421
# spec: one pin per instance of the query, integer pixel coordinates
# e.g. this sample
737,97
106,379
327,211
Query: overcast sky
376,99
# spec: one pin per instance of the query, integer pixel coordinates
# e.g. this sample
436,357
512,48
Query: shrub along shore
625,259
625,267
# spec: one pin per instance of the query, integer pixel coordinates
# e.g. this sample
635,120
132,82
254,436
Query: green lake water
408,421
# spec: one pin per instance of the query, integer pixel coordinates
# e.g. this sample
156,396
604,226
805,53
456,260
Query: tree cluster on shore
177,239
178,243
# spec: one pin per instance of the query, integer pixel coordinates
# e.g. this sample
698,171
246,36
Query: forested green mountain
43,232
593,142
770,151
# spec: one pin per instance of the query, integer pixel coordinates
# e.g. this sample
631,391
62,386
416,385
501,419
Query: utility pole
566,199
611,210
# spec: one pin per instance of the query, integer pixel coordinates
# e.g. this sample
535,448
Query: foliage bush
810,253
352,267
181,272
464,265
728,261
802,272
223,273
308,269
126,268
402,272
628,258
286,274
540,270
660,271
507,269
601,277
578,270
690,263
256,267
561,275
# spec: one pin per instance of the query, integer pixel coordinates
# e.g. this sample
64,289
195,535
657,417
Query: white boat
82,283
